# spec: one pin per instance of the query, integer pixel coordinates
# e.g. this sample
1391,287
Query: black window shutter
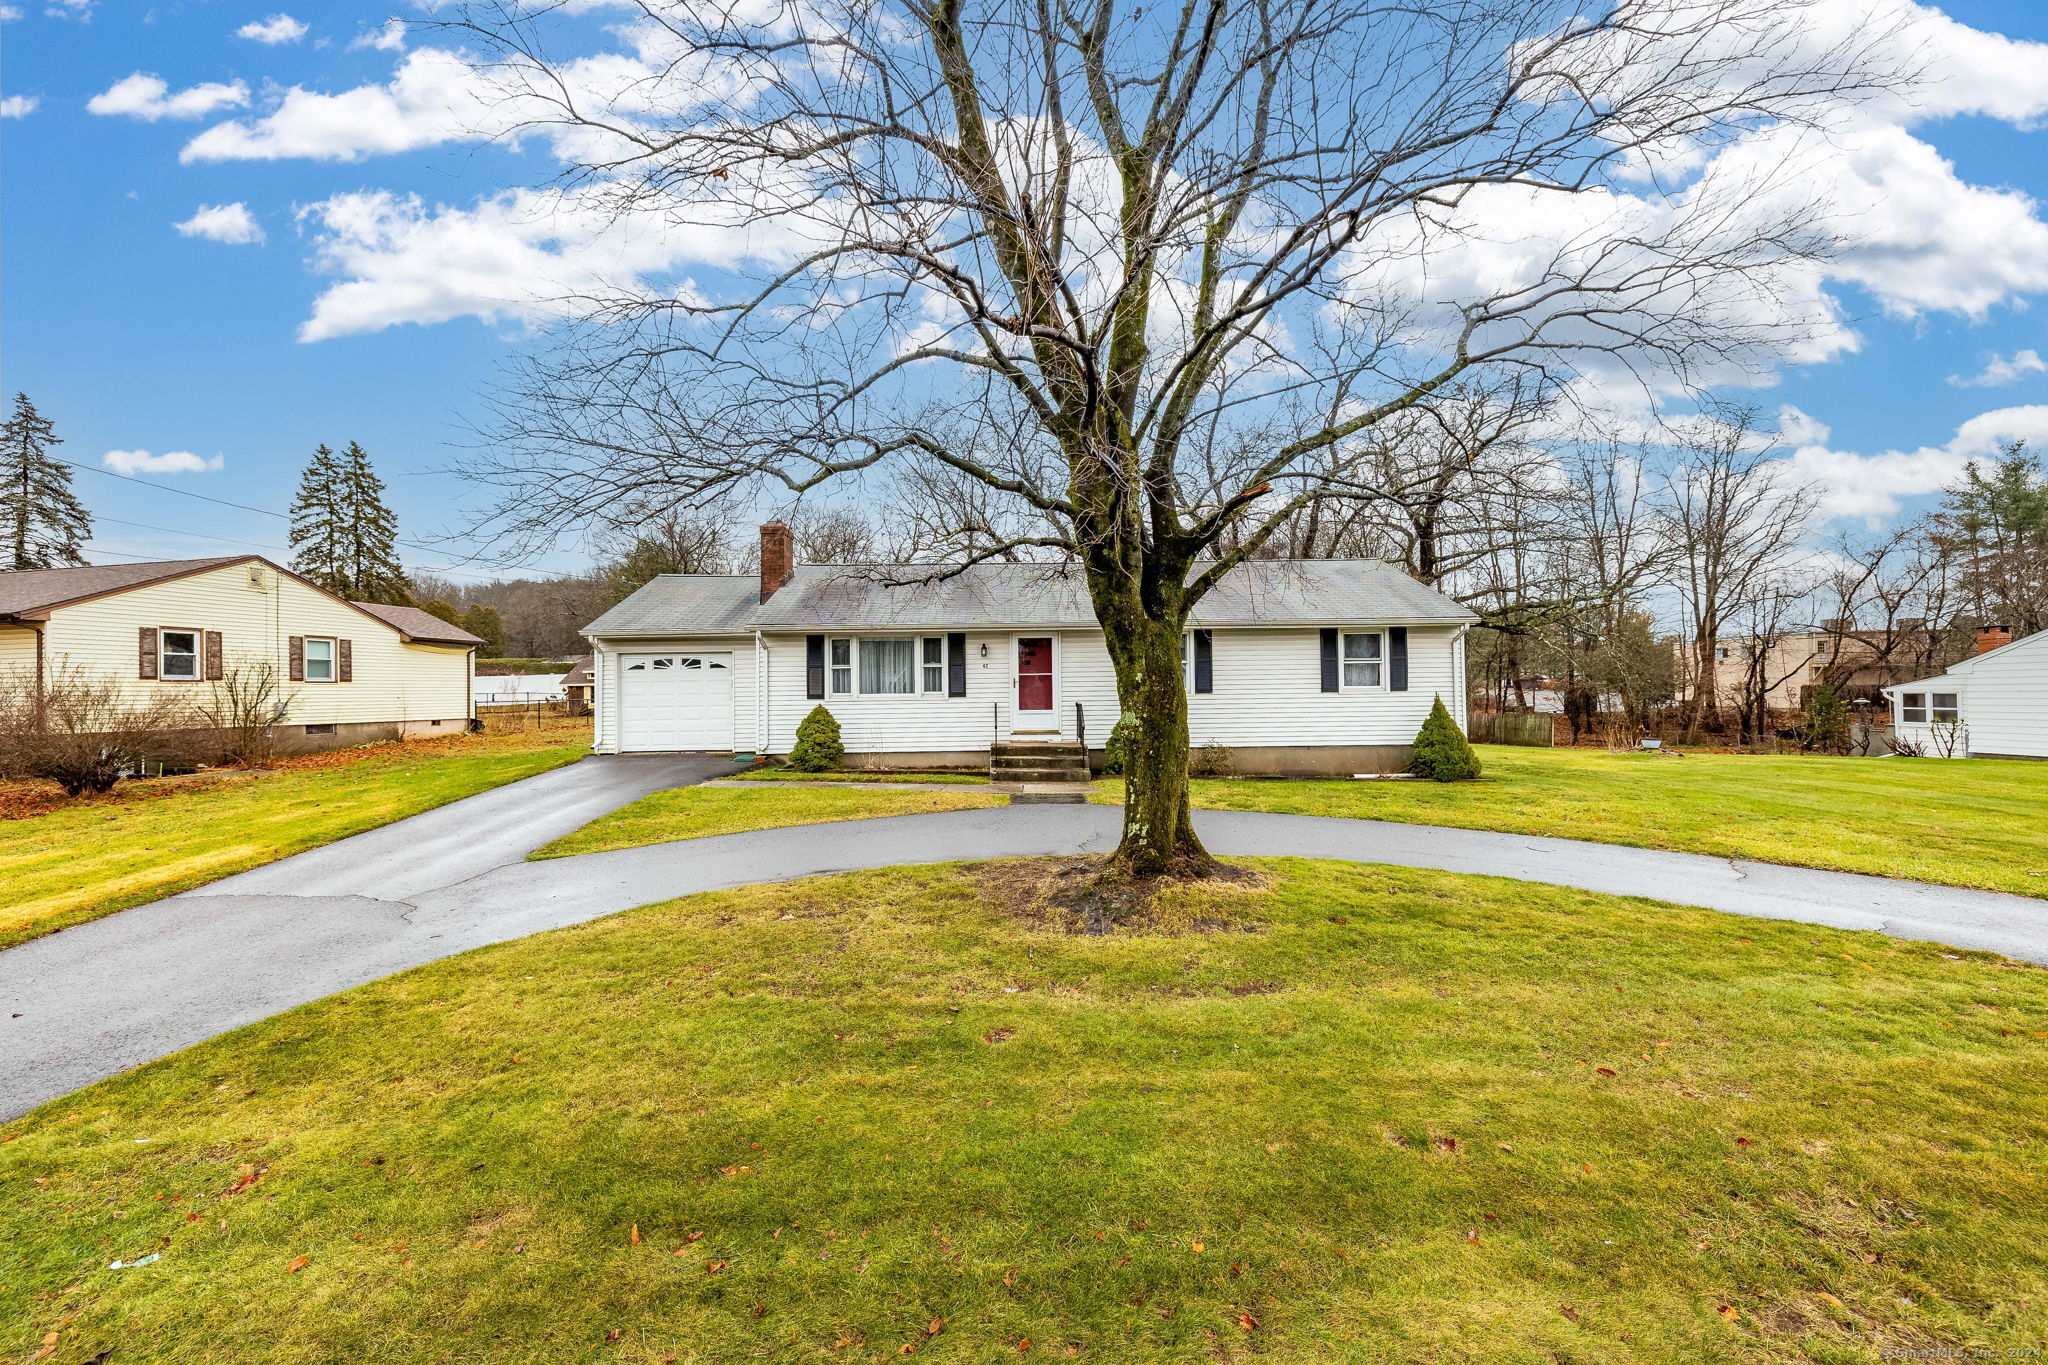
1205,661
1329,659
814,667
1397,658
956,664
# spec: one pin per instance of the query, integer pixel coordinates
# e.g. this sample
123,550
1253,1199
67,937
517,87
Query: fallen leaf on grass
1247,1321
934,1327
1196,1247
1729,1313
249,1176
1829,1298
614,1334
1605,1071
713,1267
634,1235
298,1263
1023,1343
1569,1311
999,1035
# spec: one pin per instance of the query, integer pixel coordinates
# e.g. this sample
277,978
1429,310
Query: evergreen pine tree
378,575
319,538
344,537
44,524
1441,753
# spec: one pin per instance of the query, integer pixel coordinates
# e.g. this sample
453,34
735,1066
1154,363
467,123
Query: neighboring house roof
579,676
909,597
419,625
35,592
32,594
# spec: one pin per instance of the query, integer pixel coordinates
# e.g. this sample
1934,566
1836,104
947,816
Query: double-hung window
180,655
1364,659
319,659
934,656
842,668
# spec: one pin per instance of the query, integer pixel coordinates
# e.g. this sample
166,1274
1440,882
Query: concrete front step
1039,775
1037,751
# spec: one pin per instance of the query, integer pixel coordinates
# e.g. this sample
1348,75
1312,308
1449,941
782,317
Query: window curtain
888,665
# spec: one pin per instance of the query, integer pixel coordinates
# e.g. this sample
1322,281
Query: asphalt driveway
97,999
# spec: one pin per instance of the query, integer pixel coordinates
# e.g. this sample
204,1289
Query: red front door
1034,675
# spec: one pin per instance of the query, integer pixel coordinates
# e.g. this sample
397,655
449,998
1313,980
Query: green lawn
862,775
1974,822
95,856
695,812
1375,1115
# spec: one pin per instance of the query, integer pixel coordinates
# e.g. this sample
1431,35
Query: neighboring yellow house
352,672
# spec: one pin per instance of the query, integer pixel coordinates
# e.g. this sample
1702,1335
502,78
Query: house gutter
760,695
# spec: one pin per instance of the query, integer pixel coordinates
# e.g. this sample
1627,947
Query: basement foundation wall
1320,760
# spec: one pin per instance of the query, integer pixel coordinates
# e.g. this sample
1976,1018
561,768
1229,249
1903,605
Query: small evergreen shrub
1113,750
818,744
1827,722
1441,753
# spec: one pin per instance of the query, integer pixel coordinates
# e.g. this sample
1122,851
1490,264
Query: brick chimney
1991,637
778,557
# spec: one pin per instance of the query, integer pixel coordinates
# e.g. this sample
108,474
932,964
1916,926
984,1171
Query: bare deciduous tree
1172,264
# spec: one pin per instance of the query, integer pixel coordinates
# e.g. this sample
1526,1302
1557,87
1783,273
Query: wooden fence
1532,729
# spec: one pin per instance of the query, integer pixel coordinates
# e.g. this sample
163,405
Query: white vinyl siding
393,681
1268,692
2001,703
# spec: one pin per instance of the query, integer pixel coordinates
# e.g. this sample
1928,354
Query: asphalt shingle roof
28,590
423,626
831,596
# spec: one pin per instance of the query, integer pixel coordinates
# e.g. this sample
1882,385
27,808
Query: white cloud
434,97
512,258
148,98
80,10
18,106
1998,371
278,28
223,223
1871,486
390,38
9,13
132,462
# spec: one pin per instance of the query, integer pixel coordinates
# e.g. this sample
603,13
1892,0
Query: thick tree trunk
1159,831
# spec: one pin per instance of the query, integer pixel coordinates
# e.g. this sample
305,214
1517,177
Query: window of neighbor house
1945,708
1362,656
179,652
319,659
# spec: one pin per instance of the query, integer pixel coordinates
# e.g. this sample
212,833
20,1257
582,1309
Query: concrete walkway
105,996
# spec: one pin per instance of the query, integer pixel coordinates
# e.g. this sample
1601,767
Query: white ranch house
1305,667
1991,705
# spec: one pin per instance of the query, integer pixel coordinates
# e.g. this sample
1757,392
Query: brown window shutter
145,655
215,671
344,665
295,665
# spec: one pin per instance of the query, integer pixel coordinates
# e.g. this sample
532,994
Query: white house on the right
1991,705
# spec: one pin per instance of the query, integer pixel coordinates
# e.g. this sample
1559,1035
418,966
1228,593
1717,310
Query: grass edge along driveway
96,857
1384,1114
699,812
1965,822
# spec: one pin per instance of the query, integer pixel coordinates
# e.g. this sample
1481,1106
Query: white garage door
675,701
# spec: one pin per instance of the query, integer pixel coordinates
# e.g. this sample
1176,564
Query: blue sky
134,335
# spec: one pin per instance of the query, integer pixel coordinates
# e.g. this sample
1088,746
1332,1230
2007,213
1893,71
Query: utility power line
264,511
